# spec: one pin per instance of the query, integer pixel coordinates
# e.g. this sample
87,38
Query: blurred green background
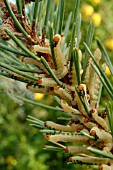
21,146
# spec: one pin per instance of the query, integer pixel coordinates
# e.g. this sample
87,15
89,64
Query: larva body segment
20,76
73,76
92,160
77,115
76,150
56,126
38,48
60,60
87,76
60,74
28,60
62,40
64,94
79,139
49,82
69,109
97,55
88,124
105,167
80,59
99,120
95,92
93,83
105,137
80,105
36,89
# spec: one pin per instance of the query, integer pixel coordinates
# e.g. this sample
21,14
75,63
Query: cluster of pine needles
34,50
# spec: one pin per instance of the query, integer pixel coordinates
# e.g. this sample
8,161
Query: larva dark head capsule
92,111
93,133
66,150
40,81
47,137
22,59
100,167
45,123
56,38
70,159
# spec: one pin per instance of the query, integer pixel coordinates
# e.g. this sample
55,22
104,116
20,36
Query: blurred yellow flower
38,96
87,11
96,18
11,160
109,44
95,2
107,70
57,1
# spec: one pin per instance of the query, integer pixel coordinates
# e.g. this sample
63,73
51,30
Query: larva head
47,137
66,150
92,133
86,120
31,48
56,88
70,159
22,59
27,86
78,130
57,38
45,123
104,167
82,89
100,167
92,111
40,81
71,122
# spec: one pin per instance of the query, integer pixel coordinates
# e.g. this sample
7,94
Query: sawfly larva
76,150
79,139
64,94
105,167
49,82
99,119
68,128
38,48
89,159
103,136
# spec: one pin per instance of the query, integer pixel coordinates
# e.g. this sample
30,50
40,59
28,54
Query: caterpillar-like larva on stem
72,128
60,59
36,89
89,159
79,139
104,136
105,167
28,60
99,119
64,94
69,109
48,82
93,79
76,150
